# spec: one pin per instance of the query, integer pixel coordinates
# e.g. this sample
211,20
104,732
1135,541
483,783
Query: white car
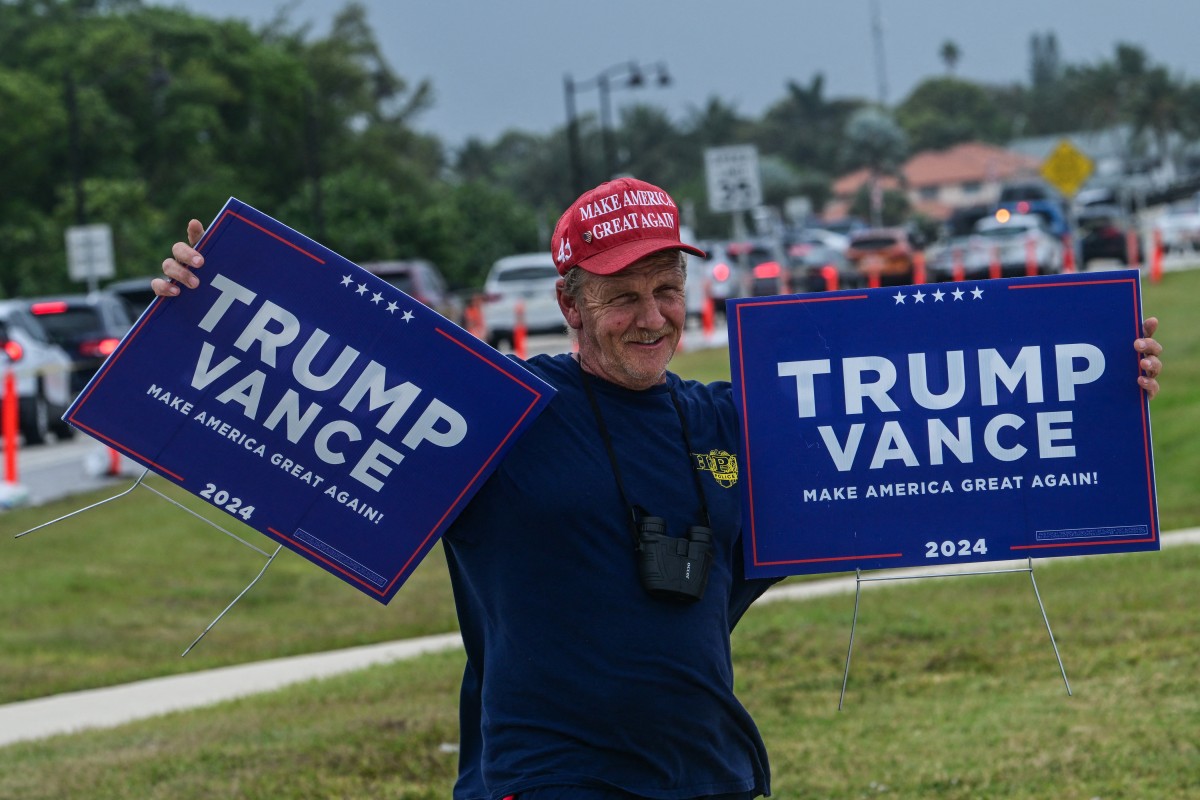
1179,228
1014,241
526,282
1007,241
41,371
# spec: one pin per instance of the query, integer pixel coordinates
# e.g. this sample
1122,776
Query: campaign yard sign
312,400
946,423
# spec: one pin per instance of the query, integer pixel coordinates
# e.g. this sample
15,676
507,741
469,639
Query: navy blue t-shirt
575,675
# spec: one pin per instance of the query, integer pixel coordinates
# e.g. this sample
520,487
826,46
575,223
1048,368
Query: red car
882,255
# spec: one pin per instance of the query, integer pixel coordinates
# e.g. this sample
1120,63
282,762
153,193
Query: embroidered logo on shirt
722,465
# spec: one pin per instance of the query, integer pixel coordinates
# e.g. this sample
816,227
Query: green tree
875,141
941,112
140,116
805,127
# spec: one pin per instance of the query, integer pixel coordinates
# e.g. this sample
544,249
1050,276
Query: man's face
630,323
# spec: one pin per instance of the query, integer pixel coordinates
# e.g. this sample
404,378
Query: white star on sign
407,316
977,293
919,296
938,295
375,298
958,293
391,307
362,289
346,281
899,298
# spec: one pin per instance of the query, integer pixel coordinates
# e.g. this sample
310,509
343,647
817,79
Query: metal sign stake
860,580
270,557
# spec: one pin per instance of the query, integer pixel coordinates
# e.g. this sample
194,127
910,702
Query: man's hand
1150,351
179,267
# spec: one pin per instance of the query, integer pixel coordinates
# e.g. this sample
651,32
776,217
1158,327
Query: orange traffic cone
9,414
1156,257
1068,254
708,312
518,335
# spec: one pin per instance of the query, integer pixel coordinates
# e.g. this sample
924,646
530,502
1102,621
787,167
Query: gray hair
577,277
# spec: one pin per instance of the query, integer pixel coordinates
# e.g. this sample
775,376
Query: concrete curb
116,705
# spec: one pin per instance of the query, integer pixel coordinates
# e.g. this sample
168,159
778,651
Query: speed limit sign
733,180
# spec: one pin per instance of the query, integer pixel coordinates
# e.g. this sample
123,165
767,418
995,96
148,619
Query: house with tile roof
939,182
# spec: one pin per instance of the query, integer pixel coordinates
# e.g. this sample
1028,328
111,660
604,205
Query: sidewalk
116,705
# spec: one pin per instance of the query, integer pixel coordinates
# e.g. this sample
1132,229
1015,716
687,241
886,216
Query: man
598,573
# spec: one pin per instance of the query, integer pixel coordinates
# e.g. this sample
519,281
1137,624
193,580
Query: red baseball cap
614,225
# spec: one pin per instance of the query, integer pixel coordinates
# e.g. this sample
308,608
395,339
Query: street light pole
573,156
634,76
606,137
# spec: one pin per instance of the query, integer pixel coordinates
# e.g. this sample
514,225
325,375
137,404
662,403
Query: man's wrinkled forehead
664,267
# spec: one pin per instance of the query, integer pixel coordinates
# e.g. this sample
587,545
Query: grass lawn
954,691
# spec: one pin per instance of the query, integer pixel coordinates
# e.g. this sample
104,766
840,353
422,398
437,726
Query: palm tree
874,140
950,54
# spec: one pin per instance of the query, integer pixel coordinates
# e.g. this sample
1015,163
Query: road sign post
1067,168
733,180
89,254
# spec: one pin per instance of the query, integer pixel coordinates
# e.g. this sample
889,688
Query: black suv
89,327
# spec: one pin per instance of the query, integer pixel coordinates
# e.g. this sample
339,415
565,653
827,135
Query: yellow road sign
1067,168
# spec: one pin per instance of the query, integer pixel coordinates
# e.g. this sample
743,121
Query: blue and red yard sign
962,422
311,400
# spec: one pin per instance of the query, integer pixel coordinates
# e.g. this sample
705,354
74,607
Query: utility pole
880,61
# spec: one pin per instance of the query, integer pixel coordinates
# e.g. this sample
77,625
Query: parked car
846,226
41,372
1106,231
947,257
763,265
883,252
819,268
89,327
802,241
1036,198
528,280
722,275
136,293
1003,239
1179,227
1012,238
423,282
962,221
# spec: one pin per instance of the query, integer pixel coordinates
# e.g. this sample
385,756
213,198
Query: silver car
41,371
526,282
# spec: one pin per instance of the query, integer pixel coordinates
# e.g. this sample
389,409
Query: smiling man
598,573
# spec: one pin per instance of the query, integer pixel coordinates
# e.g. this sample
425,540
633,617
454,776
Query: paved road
53,470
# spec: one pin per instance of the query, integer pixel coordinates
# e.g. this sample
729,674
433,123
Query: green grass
1175,413
954,691
116,594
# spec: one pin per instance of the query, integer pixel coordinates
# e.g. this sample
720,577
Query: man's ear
568,306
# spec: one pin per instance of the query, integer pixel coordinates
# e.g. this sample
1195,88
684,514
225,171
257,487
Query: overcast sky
500,64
